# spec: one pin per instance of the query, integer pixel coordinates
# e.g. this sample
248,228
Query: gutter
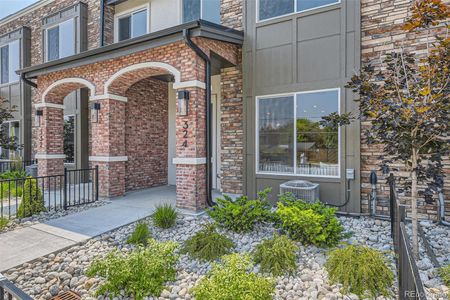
199,52
28,81
102,23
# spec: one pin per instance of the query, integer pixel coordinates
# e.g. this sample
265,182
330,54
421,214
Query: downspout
28,81
102,23
199,52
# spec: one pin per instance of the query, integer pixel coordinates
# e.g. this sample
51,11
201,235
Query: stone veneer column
191,153
50,148
108,147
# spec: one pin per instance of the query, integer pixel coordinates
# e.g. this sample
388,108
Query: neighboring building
108,75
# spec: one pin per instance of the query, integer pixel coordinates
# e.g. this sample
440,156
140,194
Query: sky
8,7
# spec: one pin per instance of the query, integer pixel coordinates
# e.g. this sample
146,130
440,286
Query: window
10,62
10,129
268,9
208,10
290,139
132,25
60,40
69,138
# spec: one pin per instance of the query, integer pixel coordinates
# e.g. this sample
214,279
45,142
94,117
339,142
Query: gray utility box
302,189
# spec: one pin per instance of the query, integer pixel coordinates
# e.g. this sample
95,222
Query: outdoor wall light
183,103
95,108
38,116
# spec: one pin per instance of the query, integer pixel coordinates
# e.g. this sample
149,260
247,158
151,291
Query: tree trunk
414,218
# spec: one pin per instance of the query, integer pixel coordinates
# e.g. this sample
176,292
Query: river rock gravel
65,270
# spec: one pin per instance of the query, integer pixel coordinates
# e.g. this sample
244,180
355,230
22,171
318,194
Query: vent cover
69,295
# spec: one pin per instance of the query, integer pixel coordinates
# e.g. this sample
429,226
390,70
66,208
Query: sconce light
95,108
183,103
38,116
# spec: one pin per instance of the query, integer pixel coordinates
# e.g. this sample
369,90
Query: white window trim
258,20
59,50
295,174
129,12
20,63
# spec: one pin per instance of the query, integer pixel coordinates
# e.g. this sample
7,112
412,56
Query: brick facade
381,32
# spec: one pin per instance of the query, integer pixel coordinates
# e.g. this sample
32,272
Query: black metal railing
9,291
12,165
410,284
24,197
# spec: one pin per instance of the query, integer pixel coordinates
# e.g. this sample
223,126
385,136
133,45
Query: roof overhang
167,36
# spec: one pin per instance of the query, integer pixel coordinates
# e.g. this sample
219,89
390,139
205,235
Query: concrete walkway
26,244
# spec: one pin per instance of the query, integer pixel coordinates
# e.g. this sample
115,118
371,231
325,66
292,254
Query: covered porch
153,114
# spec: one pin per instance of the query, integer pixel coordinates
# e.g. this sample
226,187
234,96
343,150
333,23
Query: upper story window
208,10
9,62
60,40
268,9
290,137
132,24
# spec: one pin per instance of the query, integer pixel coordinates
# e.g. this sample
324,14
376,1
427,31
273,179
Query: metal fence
9,291
24,197
410,284
11,165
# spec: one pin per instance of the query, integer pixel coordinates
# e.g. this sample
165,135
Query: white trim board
108,158
49,156
189,160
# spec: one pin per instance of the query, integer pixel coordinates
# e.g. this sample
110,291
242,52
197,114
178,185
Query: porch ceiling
198,28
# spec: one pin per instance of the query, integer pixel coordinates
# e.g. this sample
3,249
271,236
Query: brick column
50,146
191,153
108,149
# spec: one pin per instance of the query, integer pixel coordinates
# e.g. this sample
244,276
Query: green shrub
32,200
232,279
13,174
444,272
361,270
140,234
242,214
3,223
309,223
140,273
277,255
165,216
207,244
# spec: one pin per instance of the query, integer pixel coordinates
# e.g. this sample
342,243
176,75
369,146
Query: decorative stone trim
49,156
108,96
192,83
50,105
108,158
189,160
82,81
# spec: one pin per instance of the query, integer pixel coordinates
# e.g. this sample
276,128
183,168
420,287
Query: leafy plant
309,223
232,279
361,270
32,199
444,272
165,216
277,255
140,273
140,234
242,214
207,244
3,223
13,174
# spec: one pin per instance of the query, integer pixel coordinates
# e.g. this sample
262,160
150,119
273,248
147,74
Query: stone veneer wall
381,32
146,134
232,109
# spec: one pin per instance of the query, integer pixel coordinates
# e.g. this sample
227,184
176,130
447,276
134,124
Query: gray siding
312,50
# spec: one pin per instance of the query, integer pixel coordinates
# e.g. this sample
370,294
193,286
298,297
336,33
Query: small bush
207,244
277,255
140,273
444,272
32,200
165,216
242,214
13,174
232,279
361,270
140,235
309,223
3,223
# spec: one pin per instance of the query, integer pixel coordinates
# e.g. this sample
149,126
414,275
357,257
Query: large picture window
9,62
268,9
290,138
208,10
60,40
132,24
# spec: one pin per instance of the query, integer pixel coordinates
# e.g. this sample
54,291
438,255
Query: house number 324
185,133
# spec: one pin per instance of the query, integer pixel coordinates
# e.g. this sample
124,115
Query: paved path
26,244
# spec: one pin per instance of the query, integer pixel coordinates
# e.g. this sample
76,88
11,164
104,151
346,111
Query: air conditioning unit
302,189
